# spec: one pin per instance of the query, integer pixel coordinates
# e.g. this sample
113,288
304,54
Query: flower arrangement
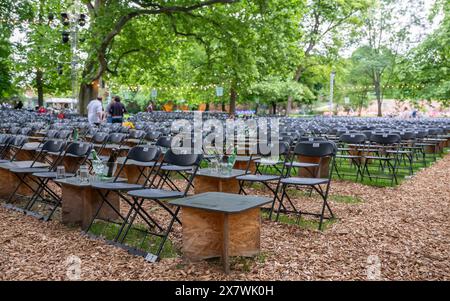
128,124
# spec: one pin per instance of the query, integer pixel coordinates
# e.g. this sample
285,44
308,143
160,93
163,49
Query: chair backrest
52,134
79,149
153,135
407,136
116,138
385,139
144,153
25,131
353,138
53,146
182,159
64,134
310,139
100,137
164,141
281,148
136,134
315,148
19,140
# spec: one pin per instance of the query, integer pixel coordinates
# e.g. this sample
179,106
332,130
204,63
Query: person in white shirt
95,111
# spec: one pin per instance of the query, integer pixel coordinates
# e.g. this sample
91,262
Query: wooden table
80,202
221,225
9,180
208,180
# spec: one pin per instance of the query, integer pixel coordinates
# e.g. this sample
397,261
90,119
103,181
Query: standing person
117,110
150,107
95,111
107,113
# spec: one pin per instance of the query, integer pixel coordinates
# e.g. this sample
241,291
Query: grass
348,172
135,238
310,224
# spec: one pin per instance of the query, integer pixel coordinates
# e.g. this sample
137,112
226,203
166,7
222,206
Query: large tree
326,26
388,37
109,18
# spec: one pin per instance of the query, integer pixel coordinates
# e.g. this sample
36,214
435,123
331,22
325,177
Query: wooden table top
209,172
222,202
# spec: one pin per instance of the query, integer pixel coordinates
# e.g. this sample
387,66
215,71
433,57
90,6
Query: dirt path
396,233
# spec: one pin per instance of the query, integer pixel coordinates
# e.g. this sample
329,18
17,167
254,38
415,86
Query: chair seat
304,181
176,168
377,158
258,178
116,186
268,162
303,164
348,156
155,194
398,152
27,170
51,174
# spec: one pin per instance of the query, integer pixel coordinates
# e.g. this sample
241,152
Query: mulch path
405,231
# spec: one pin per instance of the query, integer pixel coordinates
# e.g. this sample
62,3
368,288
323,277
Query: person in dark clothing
117,109
19,105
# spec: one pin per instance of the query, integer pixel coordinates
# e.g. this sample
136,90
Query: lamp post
72,22
332,75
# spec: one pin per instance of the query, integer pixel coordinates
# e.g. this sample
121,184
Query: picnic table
221,225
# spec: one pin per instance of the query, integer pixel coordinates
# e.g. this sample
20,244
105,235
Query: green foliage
277,90
426,68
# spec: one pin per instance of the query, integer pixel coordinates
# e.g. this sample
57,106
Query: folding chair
387,145
158,196
266,179
352,142
76,150
141,156
55,147
13,147
322,150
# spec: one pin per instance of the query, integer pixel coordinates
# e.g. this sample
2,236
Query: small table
221,225
209,180
10,181
80,202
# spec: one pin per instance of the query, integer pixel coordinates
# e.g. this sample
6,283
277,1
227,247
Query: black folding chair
45,192
387,156
141,156
319,149
266,159
351,143
13,146
50,147
158,196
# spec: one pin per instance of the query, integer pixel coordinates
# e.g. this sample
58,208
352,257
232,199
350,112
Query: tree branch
103,64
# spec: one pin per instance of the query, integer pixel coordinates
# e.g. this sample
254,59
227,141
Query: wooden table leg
226,243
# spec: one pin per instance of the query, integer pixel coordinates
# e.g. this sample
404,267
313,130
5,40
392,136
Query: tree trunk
377,85
40,87
298,74
207,106
223,106
233,98
87,93
274,108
